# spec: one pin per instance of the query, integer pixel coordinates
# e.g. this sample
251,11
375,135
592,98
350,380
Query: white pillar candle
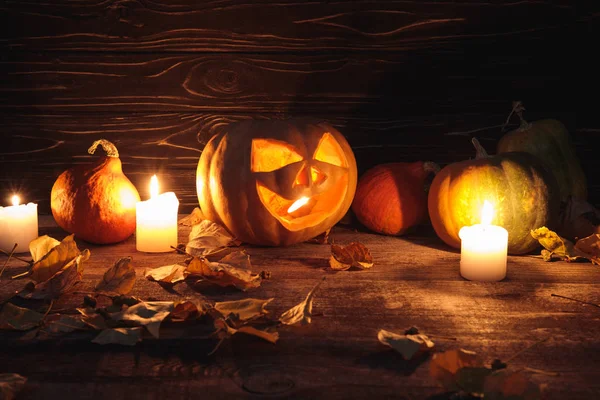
18,224
156,221
484,249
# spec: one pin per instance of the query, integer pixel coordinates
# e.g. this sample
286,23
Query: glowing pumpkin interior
321,180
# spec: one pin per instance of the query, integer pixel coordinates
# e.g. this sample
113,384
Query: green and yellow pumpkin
524,194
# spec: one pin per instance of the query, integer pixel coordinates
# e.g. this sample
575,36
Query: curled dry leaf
301,313
408,345
92,318
53,261
62,281
195,217
354,255
188,310
119,278
167,274
590,246
149,314
57,323
243,310
224,331
208,238
555,245
41,246
18,318
444,366
232,270
11,385
323,238
124,336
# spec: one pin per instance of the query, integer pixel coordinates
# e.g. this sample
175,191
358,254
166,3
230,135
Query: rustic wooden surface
396,77
415,281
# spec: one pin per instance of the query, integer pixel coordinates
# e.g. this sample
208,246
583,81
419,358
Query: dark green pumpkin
524,195
549,140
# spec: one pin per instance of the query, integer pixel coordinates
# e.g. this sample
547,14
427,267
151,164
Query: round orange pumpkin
391,198
276,182
96,202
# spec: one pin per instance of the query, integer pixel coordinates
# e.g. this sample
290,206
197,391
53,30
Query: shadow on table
392,361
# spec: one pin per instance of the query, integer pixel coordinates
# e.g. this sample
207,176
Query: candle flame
15,200
153,187
487,213
297,204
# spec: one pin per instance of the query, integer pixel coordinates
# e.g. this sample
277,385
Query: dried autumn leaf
119,278
149,314
57,323
124,336
471,379
505,385
231,270
92,318
188,310
243,310
195,217
18,318
578,219
590,246
54,260
555,245
41,246
167,274
323,238
225,331
301,313
11,385
444,366
353,255
62,281
407,345
207,238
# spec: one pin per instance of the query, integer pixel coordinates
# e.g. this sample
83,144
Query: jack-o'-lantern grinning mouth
317,208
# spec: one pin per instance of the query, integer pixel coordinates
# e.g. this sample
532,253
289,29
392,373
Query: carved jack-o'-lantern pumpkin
276,182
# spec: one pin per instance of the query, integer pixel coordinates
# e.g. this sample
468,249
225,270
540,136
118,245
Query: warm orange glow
330,151
297,204
270,155
153,187
15,200
487,213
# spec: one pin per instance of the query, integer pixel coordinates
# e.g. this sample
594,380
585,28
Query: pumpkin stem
518,109
481,153
108,147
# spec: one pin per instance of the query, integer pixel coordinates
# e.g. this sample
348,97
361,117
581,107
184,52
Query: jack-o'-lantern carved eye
330,151
270,155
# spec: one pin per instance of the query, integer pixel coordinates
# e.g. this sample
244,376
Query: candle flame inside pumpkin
153,187
297,204
15,200
487,213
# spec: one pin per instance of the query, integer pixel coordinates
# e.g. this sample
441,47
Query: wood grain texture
275,26
41,146
415,281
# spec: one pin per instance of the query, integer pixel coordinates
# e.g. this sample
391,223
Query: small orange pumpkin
96,202
391,198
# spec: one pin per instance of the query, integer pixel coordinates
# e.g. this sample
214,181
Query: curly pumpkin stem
481,153
109,148
518,109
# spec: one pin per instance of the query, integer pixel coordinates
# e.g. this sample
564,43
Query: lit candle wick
487,213
297,204
15,200
153,187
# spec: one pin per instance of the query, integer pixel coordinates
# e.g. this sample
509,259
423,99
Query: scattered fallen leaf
408,345
58,256
57,323
445,365
555,245
354,255
232,270
11,385
167,274
505,385
590,246
149,314
18,318
92,318
243,310
195,217
323,238
62,281
225,331
301,313
119,278
188,310
41,246
124,336
207,238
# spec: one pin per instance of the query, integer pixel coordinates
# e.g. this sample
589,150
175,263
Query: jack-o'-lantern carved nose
309,175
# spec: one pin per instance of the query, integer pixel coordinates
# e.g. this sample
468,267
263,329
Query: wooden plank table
415,282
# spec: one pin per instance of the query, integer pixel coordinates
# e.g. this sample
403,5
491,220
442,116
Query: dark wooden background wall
403,80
